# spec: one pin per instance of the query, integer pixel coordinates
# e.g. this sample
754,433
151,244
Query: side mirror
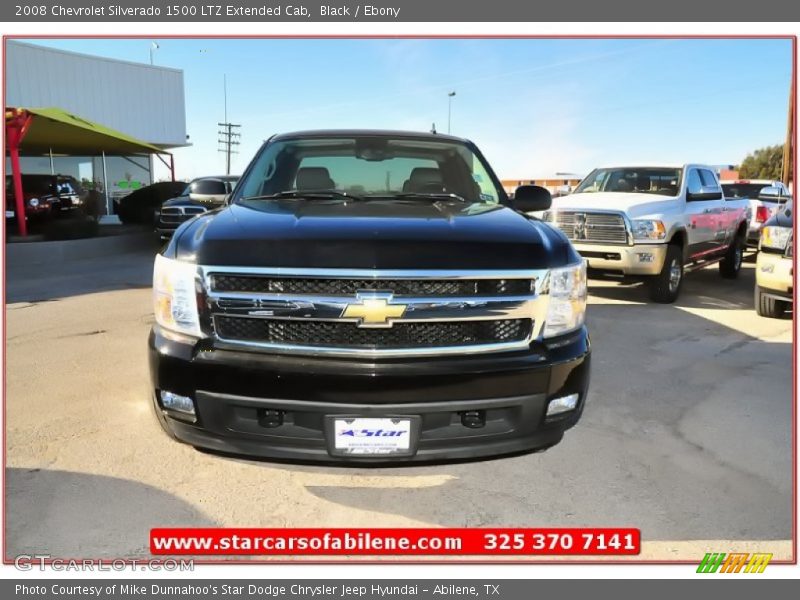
531,198
771,194
705,192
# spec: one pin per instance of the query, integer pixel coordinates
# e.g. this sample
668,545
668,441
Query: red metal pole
19,199
16,128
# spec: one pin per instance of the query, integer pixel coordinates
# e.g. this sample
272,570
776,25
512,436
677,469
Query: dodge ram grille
593,227
373,313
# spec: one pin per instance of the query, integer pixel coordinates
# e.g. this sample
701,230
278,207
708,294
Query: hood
633,204
371,235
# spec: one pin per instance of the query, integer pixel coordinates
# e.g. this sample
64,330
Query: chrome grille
332,311
593,227
347,335
179,214
346,287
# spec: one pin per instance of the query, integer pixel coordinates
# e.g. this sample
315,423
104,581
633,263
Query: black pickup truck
370,296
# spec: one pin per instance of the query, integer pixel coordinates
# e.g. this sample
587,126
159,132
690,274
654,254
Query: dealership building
143,102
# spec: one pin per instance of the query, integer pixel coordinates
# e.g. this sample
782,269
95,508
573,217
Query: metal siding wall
143,101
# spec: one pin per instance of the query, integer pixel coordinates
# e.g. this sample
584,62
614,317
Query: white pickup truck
765,197
654,222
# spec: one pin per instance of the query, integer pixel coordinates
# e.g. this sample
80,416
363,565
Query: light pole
153,46
449,109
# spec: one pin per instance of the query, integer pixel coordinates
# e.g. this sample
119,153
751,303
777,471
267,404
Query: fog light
270,418
181,404
645,257
562,405
474,419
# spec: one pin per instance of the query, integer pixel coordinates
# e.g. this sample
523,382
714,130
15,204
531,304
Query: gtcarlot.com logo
735,562
42,562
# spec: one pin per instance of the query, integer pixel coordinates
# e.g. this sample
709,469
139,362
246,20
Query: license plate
367,436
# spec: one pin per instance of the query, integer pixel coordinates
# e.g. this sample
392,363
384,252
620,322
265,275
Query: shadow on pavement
87,516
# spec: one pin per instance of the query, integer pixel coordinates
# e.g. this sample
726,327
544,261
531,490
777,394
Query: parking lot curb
21,255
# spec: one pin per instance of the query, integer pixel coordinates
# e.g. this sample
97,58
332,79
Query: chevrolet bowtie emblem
374,310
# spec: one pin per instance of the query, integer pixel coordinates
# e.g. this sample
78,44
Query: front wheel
769,306
666,286
730,266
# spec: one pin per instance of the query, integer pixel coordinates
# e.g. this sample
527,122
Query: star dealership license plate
370,436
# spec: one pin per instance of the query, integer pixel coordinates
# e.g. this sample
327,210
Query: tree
764,163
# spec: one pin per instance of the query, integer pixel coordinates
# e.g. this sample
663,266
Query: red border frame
388,561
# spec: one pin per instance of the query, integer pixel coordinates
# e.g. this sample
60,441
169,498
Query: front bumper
232,391
639,259
774,274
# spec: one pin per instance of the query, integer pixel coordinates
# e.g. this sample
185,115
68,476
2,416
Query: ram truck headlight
775,238
175,288
548,216
647,229
567,305
33,202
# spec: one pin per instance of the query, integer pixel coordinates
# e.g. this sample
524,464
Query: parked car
765,196
774,288
654,222
369,296
201,195
40,197
140,206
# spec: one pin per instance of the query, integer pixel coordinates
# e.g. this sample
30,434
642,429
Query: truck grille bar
593,227
373,313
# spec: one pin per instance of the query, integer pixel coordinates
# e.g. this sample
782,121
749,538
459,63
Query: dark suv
370,296
201,195
45,196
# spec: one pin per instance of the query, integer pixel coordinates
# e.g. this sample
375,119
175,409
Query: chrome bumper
639,259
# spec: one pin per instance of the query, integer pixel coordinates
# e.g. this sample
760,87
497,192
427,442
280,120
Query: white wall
141,100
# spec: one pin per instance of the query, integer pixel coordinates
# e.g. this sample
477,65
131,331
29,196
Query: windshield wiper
427,196
301,195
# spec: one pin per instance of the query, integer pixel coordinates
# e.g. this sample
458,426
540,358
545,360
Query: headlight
647,229
567,308
775,238
175,288
548,216
34,202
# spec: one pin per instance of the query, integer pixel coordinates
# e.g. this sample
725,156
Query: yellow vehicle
774,266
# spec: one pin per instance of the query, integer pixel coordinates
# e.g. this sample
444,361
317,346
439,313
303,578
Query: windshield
747,190
659,181
370,167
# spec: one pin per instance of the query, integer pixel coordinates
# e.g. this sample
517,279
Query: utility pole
787,146
228,137
449,109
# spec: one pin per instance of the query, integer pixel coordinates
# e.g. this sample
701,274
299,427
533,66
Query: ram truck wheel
730,266
666,286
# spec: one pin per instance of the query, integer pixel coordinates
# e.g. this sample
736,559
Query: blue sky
535,107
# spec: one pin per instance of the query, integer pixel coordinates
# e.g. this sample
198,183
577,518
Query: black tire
666,286
730,266
768,306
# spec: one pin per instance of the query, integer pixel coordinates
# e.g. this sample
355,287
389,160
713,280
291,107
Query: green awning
61,132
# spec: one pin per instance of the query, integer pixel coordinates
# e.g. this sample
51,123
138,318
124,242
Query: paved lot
687,434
